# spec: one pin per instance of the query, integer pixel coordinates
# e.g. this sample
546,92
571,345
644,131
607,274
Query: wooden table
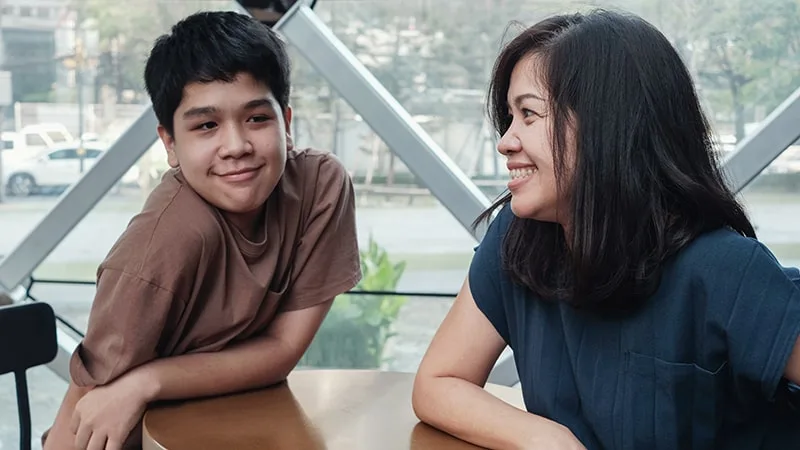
313,410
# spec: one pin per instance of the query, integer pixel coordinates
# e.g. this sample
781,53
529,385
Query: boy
221,282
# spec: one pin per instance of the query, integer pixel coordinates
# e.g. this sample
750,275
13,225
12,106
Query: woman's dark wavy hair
646,181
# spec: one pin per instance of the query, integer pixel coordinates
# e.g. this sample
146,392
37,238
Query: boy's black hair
214,46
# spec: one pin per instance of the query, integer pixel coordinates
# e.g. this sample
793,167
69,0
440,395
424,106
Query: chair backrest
28,336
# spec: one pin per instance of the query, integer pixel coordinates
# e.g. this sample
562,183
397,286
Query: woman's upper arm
792,372
466,344
793,367
762,323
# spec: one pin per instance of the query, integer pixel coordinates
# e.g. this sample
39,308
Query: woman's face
527,145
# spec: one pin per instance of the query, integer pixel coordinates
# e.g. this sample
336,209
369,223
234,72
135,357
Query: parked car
59,167
36,137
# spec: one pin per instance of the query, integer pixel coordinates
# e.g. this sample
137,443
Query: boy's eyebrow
258,103
208,110
199,111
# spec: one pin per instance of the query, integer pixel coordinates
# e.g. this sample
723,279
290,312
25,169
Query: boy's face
230,142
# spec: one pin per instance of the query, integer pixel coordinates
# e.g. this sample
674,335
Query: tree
745,54
127,33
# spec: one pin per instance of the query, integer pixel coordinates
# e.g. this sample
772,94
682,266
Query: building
28,45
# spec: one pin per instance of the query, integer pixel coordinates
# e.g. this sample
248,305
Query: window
34,140
64,154
93,154
57,136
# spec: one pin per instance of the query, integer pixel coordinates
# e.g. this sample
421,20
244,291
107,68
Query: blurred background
71,84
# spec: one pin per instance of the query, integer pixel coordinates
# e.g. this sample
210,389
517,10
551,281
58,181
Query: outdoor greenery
358,326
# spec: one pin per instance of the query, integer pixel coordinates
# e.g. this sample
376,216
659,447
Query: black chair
27,339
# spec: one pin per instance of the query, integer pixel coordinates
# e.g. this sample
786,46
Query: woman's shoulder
723,249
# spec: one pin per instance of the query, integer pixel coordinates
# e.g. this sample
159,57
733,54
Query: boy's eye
259,119
206,126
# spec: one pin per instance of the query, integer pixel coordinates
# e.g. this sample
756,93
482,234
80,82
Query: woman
620,269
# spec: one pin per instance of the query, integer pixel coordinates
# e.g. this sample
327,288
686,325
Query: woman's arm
793,367
449,395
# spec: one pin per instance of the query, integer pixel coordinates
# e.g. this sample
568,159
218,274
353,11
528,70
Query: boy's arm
60,436
326,264
254,363
126,323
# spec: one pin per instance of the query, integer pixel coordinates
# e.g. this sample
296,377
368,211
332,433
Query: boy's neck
250,224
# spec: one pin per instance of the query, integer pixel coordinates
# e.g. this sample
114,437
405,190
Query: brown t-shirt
181,279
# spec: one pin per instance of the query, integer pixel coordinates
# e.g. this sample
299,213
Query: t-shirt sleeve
485,274
764,322
327,261
126,324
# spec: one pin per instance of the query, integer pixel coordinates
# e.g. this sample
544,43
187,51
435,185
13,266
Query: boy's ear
169,145
287,120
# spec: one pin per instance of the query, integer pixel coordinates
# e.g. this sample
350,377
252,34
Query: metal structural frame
777,132
389,120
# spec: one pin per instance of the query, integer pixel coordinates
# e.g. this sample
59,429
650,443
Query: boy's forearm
258,362
60,436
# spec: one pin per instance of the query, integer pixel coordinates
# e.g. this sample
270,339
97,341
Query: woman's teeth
521,173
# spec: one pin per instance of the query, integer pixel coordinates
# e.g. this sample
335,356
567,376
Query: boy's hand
106,415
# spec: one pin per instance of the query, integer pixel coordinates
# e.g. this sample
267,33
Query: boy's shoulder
175,222
308,165
314,177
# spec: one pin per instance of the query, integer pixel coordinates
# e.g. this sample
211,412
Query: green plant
358,326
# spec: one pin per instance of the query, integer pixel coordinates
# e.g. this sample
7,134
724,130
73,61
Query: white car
26,174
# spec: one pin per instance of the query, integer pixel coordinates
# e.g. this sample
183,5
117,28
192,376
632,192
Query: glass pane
772,202
435,58
367,331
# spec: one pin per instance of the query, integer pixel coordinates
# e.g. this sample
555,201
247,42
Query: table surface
313,410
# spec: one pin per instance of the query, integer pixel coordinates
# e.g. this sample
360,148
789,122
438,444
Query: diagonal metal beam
367,96
77,202
777,132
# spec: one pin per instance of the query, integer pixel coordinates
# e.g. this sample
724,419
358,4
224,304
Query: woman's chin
522,208
530,209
